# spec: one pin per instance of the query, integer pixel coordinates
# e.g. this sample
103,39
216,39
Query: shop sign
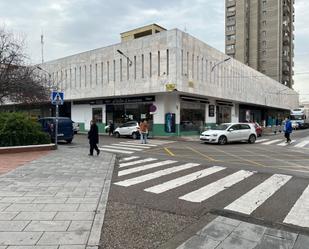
211,110
152,109
170,87
191,84
116,100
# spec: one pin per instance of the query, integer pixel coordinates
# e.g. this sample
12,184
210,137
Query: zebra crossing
134,171
281,142
130,147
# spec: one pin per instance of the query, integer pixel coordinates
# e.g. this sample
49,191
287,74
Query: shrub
17,129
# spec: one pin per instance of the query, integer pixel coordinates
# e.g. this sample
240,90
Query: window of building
230,28
187,64
192,66
102,73
90,74
120,69
167,61
264,43
264,23
114,65
97,114
135,67
230,19
80,77
230,37
182,62
264,3
107,72
142,66
197,67
150,65
231,9
264,33
264,13
202,67
128,69
96,74
158,63
75,78
230,47
85,78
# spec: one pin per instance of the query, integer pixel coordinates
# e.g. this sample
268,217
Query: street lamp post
49,76
220,62
120,52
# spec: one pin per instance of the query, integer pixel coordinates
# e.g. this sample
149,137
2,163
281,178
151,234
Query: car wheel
222,140
117,135
69,141
134,135
252,139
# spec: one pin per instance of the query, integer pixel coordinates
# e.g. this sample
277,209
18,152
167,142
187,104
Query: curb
26,148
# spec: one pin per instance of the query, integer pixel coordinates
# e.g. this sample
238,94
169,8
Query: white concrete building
168,72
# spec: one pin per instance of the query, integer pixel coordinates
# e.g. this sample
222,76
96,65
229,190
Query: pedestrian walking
93,136
143,129
111,128
288,130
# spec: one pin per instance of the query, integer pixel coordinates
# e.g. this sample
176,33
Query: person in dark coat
288,130
93,136
111,128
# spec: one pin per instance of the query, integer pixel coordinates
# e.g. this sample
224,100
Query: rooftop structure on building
260,33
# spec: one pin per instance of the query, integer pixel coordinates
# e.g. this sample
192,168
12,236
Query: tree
18,81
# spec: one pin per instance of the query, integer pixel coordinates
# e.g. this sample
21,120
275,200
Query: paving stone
80,226
25,207
60,207
64,238
217,231
3,206
47,200
281,234
235,242
12,226
19,238
198,242
270,242
228,221
54,226
302,242
82,200
35,216
7,215
249,231
74,216
17,199
72,247
87,207
32,247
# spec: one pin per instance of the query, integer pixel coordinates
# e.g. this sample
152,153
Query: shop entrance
192,116
224,114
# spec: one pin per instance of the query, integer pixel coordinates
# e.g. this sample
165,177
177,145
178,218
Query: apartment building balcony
286,40
286,58
286,28
230,42
230,22
286,69
231,13
286,9
230,32
230,3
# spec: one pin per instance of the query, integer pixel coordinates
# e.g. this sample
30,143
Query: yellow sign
191,83
170,87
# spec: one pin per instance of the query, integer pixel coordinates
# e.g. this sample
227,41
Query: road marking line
272,141
214,188
157,174
120,148
261,140
121,165
208,157
132,146
299,214
129,158
144,167
138,143
157,189
302,144
250,201
169,152
285,144
116,151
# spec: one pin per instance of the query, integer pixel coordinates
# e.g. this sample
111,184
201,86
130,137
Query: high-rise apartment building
259,33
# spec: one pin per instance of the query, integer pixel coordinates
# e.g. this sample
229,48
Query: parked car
230,132
75,127
258,129
130,128
65,128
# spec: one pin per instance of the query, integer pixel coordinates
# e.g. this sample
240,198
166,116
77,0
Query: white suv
130,128
230,132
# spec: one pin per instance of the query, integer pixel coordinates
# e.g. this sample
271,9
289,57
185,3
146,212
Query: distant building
177,82
259,33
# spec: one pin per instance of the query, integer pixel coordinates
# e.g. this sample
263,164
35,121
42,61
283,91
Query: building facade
259,33
170,78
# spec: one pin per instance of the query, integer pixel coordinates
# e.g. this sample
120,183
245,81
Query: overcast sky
72,26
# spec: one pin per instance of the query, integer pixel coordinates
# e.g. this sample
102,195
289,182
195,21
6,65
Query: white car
130,128
230,132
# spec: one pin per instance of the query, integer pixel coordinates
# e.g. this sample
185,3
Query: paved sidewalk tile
270,242
302,242
198,242
55,202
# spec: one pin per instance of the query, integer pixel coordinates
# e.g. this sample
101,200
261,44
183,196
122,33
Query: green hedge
17,129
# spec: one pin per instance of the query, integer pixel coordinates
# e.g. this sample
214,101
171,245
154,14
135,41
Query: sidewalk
226,233
55,202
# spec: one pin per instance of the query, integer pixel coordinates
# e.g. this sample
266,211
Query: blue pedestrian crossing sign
57,98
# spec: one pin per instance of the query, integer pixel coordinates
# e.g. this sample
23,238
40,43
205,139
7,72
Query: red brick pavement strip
11,161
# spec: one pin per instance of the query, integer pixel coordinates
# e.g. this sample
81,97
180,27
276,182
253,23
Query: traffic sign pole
56,129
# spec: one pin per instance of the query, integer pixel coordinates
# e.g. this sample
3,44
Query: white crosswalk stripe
142,145
299,214
116,151
302,144
247,203
117,148
183,180
262,140
132,146
285,144
157,174
214,188
121,165
145,167
128,158
272,141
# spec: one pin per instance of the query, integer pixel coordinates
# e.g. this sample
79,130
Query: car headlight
215,135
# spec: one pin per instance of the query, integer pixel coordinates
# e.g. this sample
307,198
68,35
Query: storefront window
192,116
97,114
224,114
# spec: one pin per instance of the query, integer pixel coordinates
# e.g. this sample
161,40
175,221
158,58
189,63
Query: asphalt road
138,217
